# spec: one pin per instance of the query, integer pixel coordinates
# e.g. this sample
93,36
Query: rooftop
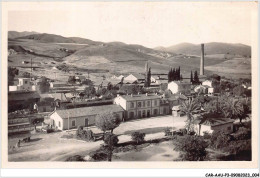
26,95
215,121
86,111
140,97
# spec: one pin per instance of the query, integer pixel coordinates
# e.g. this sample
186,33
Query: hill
15,34
210,48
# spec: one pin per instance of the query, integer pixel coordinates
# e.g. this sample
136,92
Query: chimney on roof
202,60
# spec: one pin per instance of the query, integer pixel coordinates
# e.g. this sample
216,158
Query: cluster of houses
63,114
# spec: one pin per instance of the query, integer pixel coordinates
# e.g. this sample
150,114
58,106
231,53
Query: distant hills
15,34
119,57
210,48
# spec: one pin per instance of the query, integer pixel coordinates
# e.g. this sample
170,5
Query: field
97,59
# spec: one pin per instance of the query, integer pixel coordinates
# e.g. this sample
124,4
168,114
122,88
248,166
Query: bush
167,131
218,139
193,148
75,158
206,135
101,154
110,139
138,137
242,134
84,134
49,130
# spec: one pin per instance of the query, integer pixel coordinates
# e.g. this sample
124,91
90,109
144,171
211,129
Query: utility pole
31,70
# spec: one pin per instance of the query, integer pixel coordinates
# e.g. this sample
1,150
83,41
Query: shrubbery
193,148
110,139
50,130
86,135
218,139
138,137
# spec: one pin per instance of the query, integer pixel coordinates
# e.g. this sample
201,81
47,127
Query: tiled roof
87,111
17,96
139,76
140,97
59,96
215,121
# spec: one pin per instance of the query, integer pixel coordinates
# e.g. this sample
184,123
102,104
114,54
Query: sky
150,24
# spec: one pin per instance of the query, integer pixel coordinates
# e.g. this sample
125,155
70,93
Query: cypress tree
179,73
196,78
149,77
191,77
174,74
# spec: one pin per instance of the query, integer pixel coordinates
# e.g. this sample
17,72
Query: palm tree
234,109
189,108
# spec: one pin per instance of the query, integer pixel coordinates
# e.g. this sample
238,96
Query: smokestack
202,60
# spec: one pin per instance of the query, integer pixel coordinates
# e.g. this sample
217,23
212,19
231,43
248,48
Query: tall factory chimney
202,60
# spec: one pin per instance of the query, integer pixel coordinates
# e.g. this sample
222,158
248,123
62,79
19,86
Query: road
51,147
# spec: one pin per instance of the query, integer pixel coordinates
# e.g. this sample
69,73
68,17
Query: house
176,111
213,124
207,83
18,100
179,87
201,89
85,116
23,84
141,106
139,78
80,79
59,98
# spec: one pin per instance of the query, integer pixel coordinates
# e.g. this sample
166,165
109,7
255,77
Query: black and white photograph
122,82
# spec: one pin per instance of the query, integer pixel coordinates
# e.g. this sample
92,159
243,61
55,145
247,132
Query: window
131,115
86,122
59,124
139,104
25,82
143,113
155,112
155,103
229,128
148,103
73,123
143,103
132,105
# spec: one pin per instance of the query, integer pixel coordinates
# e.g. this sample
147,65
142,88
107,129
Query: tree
193,148
72,80
87,82
189,108
44,85
138,137
26,75
196,78
234,109
109,86
239,90
107,121
122,81
90,91
12,72
110,140
149,77
191,77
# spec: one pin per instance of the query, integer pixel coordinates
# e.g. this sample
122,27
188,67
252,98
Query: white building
214,124
135,78
85,116
179,87
23,84
141,106
207,83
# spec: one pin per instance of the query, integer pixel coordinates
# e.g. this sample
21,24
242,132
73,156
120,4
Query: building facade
85,116
23,84
141,106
